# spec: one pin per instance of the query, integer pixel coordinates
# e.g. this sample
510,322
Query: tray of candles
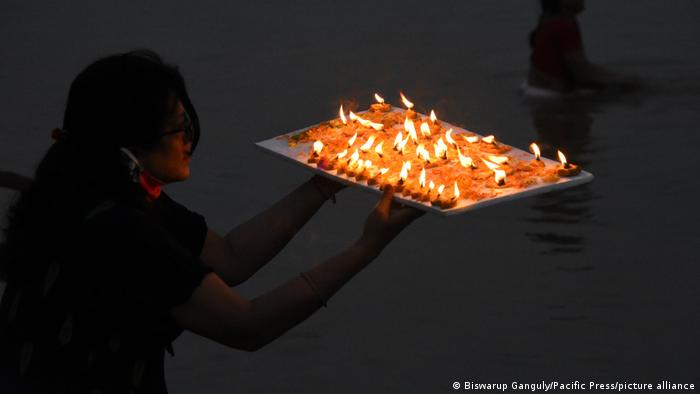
432,165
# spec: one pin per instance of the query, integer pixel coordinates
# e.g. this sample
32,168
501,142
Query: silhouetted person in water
104,270
558,62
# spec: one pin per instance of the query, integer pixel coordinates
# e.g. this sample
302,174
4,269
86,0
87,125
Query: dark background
599,282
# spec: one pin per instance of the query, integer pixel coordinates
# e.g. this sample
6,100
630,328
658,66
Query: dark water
598,282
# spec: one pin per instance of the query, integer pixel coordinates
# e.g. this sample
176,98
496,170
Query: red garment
553,40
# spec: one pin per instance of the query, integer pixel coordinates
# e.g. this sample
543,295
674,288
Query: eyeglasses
188,128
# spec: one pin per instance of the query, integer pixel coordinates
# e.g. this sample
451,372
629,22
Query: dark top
553,39
97,320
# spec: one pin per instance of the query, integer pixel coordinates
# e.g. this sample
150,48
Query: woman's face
170,160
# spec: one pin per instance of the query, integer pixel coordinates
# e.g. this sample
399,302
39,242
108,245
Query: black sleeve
151,269
187,227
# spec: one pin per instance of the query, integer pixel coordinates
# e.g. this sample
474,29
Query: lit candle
498,159
425,129
465,161
410,113
403,175
567,169
378,149
402,145
377,178
448,136
410,129
537,162
368,145
419,192
489,139
440,149
472,139
352,139
456,193
440,189
536,150
380,105
433,118
397,141
316,152
562,158
423,153
499,177
342,115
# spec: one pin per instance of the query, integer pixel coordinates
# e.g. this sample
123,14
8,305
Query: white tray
280,148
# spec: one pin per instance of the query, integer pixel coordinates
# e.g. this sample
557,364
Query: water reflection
565,125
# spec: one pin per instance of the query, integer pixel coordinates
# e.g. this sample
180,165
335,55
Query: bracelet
320,190
312,285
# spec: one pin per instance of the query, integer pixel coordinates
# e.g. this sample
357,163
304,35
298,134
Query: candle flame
360,165
421,179
342,154
498,159
440,189
397,140
318,145
489,139
433,118
410,129
379,98
342,115
491,166
368,164
404,170
500,177
431,185
375,126
456,192
465,161
562,158
352,139
354,157
440,149
405,101
424,129
383,171
448,136
472,139
423,153
402,145
536,150
378,149
368,145
365,122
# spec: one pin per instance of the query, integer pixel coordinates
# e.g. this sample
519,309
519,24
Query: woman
104,270
558,63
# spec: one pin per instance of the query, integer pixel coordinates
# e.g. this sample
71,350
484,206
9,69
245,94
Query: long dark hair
118,101
551,7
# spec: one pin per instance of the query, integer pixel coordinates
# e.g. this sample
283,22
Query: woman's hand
386,221
326,186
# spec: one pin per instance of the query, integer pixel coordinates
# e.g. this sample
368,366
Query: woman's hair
118,101
548,7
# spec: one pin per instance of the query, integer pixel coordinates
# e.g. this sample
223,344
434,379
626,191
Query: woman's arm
248,247
218,312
